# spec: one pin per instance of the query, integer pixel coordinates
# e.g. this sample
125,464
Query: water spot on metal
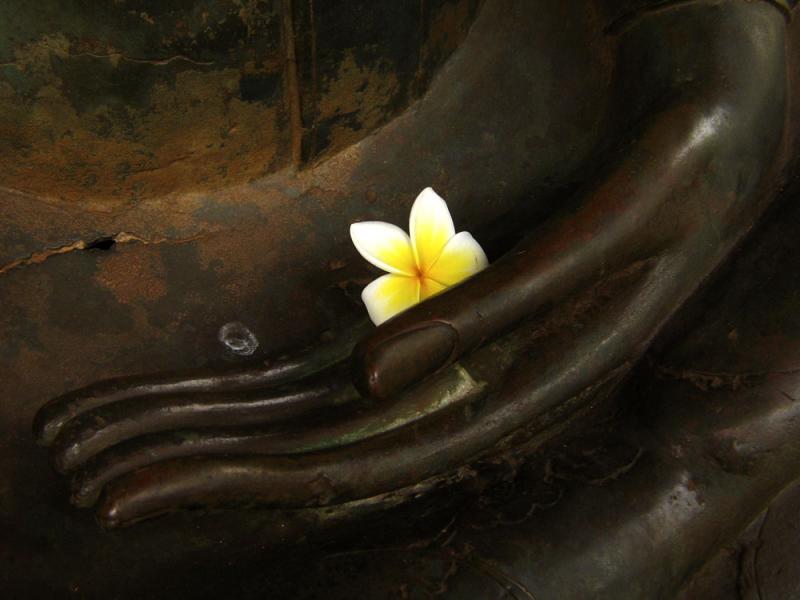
238,339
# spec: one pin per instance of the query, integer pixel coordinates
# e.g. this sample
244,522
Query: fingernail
109,514
65,457
45,426
393,364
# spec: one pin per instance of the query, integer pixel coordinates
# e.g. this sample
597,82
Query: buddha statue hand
537,338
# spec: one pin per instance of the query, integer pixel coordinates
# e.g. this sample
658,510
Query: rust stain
293,98
191,127
133,276
190,131
357,90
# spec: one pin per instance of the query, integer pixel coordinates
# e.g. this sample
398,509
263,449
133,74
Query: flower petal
384,245
430,226
389,295
461,257
429,287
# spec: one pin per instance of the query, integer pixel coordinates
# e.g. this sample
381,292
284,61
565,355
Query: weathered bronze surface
608,411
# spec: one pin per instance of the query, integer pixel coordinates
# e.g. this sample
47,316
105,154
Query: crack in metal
118,56
122,237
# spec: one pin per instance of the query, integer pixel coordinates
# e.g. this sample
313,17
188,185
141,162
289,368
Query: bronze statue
608,201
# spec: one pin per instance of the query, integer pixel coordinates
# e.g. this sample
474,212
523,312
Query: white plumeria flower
432,259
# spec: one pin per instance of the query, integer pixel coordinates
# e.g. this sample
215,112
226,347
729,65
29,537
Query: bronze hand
635,246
